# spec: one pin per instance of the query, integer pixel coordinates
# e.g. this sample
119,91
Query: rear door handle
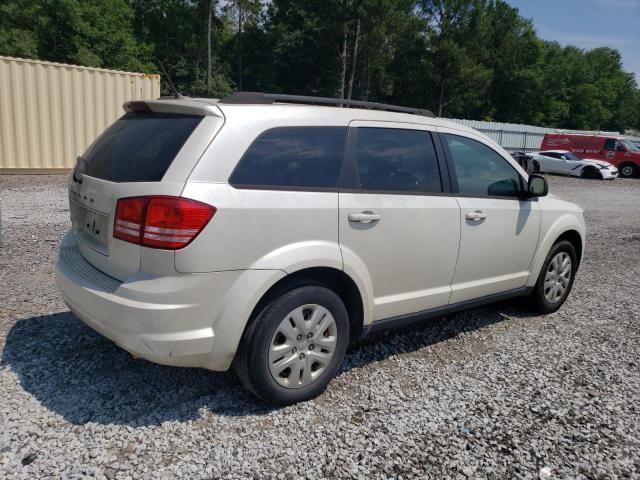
364,217
476,215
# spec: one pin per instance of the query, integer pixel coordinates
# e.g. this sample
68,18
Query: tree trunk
354,59
343,58
441,101
210,8
367,85
343,55
240,21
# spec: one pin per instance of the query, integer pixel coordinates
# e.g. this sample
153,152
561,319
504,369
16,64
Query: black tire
536,166
252,359
591,173
628,170
540,301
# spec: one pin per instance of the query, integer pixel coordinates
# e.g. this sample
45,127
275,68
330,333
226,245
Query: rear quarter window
139,147
299,157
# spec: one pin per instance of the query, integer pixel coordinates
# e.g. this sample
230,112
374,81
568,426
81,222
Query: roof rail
269,98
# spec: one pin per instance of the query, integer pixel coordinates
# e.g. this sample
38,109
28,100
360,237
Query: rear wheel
556,278
536,166
591,172
627,170
295,346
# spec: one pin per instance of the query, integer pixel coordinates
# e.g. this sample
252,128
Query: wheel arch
333,279
592,169
573,237
566,227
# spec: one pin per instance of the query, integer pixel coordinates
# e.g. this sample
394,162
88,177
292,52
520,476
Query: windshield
565,155
630,145
570,156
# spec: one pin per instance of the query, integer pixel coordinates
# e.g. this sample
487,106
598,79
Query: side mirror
563,157
537,186
621,148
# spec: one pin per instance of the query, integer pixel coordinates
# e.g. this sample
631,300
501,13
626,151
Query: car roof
337,115
303,114
615,136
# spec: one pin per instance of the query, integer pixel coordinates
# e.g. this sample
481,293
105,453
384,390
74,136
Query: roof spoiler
184,106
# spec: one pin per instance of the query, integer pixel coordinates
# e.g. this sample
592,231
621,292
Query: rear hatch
150,151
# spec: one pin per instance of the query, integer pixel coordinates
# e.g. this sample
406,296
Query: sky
589,24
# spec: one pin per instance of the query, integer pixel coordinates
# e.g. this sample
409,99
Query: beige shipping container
51,112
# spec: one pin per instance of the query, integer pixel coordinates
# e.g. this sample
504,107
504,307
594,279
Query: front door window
480,170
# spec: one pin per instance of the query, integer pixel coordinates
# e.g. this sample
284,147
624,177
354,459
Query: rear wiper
81,164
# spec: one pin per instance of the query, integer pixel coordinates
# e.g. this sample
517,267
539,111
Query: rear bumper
180,320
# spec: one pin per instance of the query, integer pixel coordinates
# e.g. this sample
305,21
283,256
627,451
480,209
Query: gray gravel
497,392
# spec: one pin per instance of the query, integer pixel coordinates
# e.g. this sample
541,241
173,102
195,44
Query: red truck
619,151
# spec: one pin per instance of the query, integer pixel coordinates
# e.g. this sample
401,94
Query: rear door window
396,160
139,147
298,157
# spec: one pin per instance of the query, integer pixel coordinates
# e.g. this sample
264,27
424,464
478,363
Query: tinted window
570,156
396,160
139,147
610,144
631,146
293,157
551,154
480,170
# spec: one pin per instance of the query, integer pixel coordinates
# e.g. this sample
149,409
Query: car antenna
176,93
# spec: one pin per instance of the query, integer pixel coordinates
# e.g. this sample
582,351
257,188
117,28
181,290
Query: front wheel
295,346
536,166
556,278
591,172
627,170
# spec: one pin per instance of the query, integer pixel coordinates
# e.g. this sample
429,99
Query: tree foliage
460,58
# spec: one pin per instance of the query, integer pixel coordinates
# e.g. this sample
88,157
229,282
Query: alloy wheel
302,346
557,277
627,171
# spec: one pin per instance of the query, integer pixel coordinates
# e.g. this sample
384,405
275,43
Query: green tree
303,45
243,14
18,28
177,31
95,33
462,58
511,51
458,79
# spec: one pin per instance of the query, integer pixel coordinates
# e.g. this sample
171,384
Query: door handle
364,217
476,215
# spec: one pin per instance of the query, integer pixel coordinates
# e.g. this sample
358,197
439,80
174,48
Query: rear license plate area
90,226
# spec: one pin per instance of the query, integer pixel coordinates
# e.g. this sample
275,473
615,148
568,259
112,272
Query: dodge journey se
265,232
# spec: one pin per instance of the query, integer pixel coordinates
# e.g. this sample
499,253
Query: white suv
264,232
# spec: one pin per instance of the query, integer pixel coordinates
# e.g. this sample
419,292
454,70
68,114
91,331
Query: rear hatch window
139,147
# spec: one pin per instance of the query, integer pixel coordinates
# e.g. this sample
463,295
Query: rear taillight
160,221
129,218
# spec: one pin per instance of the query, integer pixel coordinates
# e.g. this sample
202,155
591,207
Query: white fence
515,137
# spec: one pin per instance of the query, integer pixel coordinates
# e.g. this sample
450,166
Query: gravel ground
496,392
